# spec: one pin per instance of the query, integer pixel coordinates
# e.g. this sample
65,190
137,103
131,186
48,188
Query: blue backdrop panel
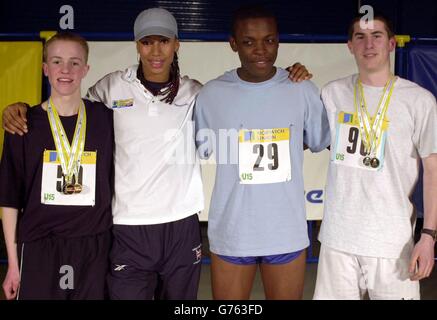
422,66
422,69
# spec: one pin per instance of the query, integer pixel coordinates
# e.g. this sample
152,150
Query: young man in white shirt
382,126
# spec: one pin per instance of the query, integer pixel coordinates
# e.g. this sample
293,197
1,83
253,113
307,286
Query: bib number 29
272,154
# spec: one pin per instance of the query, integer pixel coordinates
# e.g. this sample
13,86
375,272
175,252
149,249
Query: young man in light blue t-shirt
256,122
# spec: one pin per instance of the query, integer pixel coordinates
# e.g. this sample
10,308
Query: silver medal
366,161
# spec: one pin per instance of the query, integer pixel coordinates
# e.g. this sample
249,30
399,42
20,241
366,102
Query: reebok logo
197,254
120,267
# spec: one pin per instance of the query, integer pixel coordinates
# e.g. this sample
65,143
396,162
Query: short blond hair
66,36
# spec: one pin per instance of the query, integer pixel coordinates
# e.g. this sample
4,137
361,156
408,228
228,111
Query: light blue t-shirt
268,218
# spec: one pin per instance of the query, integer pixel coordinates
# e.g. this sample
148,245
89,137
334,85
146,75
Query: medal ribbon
371,133
69,157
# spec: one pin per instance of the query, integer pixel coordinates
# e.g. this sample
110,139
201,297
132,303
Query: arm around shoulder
14,118
317,134
101,91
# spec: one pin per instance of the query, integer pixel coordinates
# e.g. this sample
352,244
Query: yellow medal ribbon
371,131
69,156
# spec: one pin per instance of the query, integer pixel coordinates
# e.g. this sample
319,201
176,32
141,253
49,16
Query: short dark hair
388,25
250,12
66,36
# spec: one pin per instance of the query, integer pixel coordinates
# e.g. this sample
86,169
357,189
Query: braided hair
172,89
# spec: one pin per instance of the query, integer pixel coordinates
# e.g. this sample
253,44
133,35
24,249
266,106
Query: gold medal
68,188
77,188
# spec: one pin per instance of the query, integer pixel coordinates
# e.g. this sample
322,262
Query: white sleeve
425,125
100,92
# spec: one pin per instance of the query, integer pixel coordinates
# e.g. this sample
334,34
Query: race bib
53,181
264,156
349,149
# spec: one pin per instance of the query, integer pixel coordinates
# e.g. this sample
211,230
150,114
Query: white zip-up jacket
157,171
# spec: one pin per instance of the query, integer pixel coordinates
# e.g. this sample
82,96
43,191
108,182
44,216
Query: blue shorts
272,259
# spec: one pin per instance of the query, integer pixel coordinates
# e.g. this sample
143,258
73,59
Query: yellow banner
21,73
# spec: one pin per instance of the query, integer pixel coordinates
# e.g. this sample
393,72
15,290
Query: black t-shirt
21,175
